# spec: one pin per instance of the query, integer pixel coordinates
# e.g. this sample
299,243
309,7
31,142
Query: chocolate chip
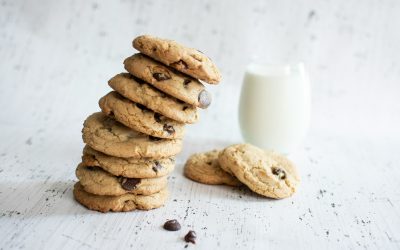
180,64
172,225
157,166
157,117
209,162
142,107
186,82
169,128
129,183
191,237
152,138
279,172
204,99
161,76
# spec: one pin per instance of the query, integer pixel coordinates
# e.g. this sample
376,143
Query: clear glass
274,109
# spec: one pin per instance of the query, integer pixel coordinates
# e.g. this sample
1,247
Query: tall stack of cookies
131,144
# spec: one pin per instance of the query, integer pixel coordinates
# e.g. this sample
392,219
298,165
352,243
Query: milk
274,110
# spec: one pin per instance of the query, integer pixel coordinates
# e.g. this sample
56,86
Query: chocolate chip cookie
106,135
128,167
178,85
140,92
187,60
97,181
121,203
204,168
266,173
140,118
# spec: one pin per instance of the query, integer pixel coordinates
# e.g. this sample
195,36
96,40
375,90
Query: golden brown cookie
122,203
106,135
140,118
140,92
97,181
187,60
178,85
204,168
128,167
266,173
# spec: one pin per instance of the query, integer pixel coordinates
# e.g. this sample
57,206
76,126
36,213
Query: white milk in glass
274,110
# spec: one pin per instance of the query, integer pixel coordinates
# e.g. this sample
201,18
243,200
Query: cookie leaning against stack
131,144
264,172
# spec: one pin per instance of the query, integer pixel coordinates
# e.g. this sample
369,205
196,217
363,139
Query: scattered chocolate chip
186,82
172,225
129,183
191,237
157,117
279,172
169,128
180,64
157,166
152,138
161,76
204,99
142,107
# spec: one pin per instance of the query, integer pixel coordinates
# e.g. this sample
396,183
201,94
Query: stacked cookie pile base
264,172
131,144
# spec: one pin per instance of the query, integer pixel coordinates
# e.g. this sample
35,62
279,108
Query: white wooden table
56,57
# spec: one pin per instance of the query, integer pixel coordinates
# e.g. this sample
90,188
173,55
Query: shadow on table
38,199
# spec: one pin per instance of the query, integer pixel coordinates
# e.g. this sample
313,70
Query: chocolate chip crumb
191,237
279,172
172,225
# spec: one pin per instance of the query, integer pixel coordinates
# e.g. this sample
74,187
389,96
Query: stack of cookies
131,144
264,172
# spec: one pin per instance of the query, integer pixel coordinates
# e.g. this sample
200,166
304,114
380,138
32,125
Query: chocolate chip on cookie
129,183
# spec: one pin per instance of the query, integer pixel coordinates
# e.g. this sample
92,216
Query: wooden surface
56,57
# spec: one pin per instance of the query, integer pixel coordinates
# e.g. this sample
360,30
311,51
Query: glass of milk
274,109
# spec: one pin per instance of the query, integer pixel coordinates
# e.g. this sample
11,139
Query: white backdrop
56,58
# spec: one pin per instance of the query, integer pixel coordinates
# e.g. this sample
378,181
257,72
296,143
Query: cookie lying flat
204,168
140,118
106,135
97,181
266,173
122,203
128,167
178,85
187,60
138,91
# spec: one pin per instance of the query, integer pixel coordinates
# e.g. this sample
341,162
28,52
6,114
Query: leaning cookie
266,173
140,92
128,167
97,181
106,135
168,80
121,203
140,118
204,168
187,60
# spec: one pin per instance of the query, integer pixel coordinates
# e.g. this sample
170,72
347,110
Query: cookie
97,181
106,135
204,168
140,92
128,167
266,173
187,60
121,203
178,85
140,118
